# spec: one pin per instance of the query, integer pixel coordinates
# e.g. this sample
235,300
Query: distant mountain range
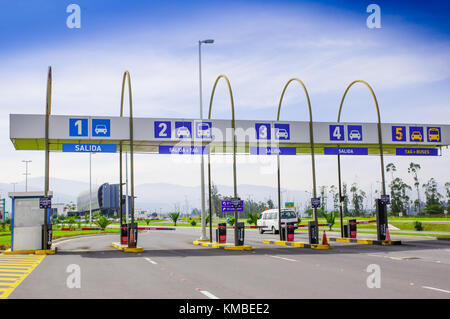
158,196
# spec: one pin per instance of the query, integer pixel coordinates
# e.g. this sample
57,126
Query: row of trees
400,192
402,203
354,197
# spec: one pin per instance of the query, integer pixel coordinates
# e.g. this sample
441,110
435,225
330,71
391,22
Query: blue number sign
78,127
163,129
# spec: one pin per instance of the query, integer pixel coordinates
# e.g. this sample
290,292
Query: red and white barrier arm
155,228
364,222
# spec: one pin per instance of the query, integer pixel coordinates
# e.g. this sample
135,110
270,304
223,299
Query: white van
269,219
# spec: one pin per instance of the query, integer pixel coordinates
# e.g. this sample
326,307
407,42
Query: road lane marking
288,259
437,289
208,294
151,261
14,269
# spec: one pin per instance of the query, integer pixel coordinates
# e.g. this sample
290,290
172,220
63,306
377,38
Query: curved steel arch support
380,142
126,76
311,139
48,110
233,127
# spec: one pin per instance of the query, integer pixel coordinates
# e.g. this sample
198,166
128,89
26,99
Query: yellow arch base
125,248
295,244
226,246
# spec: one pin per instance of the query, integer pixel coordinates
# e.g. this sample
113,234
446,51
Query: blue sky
259,45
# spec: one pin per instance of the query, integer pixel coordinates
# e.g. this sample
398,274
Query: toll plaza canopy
195,136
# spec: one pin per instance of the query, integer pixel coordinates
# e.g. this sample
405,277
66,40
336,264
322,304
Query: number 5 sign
398,133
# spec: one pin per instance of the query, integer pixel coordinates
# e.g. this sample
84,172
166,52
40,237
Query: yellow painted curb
320,246
19,252
118,246
297,244
134,250
343,240
226,246
30,252
280,242
238,247
365,241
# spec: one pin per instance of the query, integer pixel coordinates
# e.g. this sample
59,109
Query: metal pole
26,174
311,139
202,165
340,196
126,188
47,151
120,192
279,196
90,187
380,138
233,125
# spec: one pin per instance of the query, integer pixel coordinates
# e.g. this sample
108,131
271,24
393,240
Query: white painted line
151,261
437,289
288,259
208,294
75,238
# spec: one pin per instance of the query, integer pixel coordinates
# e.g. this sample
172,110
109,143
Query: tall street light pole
26,174
202,165
14,186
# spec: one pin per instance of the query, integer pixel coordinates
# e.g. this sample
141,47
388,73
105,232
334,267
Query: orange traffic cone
388,237
324,239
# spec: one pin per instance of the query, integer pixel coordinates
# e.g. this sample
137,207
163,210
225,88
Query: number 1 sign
78,127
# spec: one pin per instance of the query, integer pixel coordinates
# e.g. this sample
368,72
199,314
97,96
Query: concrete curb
223,246
295,244
367,241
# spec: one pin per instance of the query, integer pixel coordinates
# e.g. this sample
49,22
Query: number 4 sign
337,132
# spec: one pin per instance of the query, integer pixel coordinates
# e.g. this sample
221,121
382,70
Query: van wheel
261,231
274,231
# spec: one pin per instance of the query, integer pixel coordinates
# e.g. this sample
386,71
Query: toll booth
240,232
27,221
352,228
313,232
287,232
221,233
382,224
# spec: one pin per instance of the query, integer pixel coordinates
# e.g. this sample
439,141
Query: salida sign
90,148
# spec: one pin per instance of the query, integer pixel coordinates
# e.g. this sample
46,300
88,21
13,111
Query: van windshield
288,214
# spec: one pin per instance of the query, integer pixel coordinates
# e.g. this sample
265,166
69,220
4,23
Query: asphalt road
172,267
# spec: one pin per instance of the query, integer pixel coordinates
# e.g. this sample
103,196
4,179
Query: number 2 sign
163,129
